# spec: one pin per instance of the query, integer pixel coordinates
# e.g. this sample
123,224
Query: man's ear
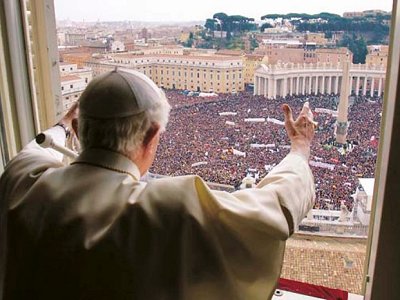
151,134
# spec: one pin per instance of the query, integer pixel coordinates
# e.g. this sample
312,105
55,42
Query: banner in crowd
200,163
208,94
230,123
234,152
262,145
239,153
228,113
257,145
334,113
255,120
322,165
275,121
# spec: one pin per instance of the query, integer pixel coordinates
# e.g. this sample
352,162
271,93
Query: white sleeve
278,203
59,137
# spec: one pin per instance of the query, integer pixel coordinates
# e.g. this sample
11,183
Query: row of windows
198,75
205,82
161,69
191,69
71,86
75,96
181,62
179,73
63,69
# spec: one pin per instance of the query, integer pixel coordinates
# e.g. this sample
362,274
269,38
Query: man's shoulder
174,192
177,185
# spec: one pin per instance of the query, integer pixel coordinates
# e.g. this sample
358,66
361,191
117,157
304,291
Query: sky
181,10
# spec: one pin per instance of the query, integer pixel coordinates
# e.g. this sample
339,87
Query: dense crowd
199,140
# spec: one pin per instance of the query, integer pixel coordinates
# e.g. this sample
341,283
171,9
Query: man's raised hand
300,131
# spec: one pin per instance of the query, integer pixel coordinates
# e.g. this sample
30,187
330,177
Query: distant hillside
373,29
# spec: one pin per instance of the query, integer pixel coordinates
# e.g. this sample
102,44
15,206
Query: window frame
382,266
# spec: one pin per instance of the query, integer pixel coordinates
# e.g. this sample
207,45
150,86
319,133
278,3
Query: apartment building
294,51
250,63
74,39
317,38
221,74
365,13
333,55
73,82
206,73
117,46
377,55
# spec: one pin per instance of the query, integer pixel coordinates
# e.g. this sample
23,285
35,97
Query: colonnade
274,82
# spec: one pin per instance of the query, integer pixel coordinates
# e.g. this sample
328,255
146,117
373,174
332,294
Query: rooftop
327,261
230,52
182,57
66,63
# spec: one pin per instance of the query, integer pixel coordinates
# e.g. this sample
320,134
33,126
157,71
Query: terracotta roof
181,57
229,52
71,54
261,56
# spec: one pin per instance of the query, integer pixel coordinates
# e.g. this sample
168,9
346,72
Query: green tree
190,41
357,45
253,43
265,26
210,24
240,24
235,24
222,20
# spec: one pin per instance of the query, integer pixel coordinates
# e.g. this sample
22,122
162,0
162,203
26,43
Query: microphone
46,141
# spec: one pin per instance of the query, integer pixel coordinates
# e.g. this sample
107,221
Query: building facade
74,39
117,46
365,13
294,51
333,55
377,55
317,38
208,73
73,82
250,63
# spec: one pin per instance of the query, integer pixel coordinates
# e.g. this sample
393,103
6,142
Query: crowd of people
224,139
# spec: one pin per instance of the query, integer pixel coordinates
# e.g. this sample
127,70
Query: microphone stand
46,141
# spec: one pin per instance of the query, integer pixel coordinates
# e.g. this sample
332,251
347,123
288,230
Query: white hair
123,135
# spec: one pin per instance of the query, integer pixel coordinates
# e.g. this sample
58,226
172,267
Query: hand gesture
300,131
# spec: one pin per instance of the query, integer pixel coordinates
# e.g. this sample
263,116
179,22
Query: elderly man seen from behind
93,230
